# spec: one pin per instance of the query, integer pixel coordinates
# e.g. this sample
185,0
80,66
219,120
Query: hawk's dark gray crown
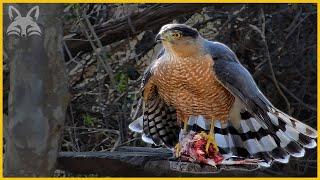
184,29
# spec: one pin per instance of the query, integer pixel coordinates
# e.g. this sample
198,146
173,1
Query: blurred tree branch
149,19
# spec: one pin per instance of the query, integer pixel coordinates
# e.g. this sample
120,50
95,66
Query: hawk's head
176,32
179,38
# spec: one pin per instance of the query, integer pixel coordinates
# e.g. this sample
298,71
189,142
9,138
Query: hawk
197,81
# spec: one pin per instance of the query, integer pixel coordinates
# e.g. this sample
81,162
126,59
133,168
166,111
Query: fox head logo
24,26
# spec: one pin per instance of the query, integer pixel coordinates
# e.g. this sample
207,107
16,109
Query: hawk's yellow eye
176,35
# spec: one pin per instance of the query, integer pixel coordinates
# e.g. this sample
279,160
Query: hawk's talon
210,140
177,149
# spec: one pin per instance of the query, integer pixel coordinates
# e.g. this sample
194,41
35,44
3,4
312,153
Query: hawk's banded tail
253,138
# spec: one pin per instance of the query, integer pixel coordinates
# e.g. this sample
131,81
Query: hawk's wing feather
147,74
238,81
268,130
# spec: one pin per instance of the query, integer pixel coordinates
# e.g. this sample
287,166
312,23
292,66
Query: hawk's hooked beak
158,38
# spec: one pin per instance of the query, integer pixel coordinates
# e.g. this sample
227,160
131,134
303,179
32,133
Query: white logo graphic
24,26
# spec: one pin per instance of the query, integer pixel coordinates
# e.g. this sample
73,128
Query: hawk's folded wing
273,132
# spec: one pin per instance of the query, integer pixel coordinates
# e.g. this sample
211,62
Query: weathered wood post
38,89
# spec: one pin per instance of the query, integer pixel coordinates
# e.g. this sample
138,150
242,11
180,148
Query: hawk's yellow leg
211,139
178,146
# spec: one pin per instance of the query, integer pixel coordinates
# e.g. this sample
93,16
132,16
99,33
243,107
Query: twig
73,59
67,49
231,17
262,34
297,25
116,144
72,141
105,64
308,106
74,131
129,141
295,19
130,24
94,130
84,40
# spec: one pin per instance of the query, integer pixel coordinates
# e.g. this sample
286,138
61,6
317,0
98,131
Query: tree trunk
38,94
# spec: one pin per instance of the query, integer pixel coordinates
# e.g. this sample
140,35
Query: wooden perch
151,18
143,161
